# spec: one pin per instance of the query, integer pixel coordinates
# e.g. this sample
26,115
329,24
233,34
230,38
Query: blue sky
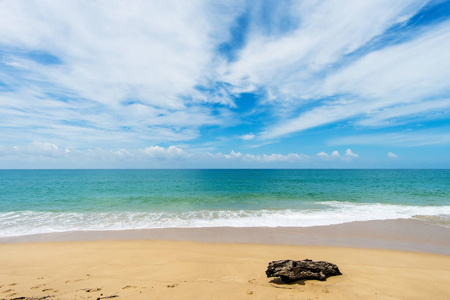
237,84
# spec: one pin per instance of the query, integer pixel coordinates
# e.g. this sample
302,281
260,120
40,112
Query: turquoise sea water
38,201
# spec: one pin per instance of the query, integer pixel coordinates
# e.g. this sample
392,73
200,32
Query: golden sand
188,270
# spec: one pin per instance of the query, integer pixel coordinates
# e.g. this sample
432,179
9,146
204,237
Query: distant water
39,201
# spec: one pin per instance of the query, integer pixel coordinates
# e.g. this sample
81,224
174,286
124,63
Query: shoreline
397,234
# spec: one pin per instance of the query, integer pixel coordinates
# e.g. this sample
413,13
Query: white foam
30,222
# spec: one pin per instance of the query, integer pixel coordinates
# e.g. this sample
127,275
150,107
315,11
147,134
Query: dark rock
293,270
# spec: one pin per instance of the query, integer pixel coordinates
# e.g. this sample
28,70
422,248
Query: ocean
43,201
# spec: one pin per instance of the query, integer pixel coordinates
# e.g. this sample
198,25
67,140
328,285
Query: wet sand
401,234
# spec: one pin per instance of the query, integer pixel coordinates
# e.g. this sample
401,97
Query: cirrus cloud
225,77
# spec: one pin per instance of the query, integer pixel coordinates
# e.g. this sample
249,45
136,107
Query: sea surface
42,201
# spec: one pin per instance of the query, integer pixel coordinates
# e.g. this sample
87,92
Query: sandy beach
138,267
170,149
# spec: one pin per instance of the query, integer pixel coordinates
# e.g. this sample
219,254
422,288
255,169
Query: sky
224,84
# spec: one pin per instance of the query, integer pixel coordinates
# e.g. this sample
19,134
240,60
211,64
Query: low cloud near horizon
42,153
392,155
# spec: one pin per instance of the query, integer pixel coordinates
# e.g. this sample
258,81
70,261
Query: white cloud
129,74
401,139
336,156
247,137
232,155
328,30
122,65
392,155
42,149
393,82
393,115
322,155
271,158
250,158
42,153
313,118
171,152
305,65
349,153
121,154
401,73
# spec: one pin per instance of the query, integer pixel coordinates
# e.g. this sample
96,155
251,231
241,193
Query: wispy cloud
396,81
392,155
325,70
221,76
121,65
399,139
247,137
401,114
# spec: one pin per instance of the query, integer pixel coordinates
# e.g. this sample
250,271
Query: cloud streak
98,76
121,65
392,155
325,71
417,138
394,82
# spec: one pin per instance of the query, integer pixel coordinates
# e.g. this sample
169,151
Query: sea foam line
31,222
